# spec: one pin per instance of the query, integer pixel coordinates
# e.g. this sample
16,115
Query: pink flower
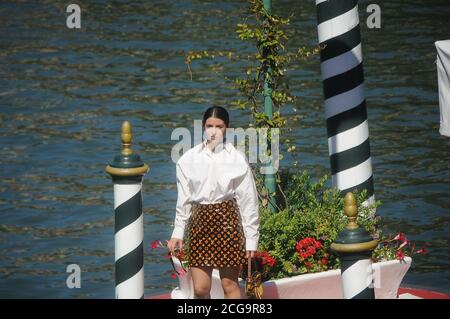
422,251
406,242
182,272
400,237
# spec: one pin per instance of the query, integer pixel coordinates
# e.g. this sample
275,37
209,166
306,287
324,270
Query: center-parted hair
217,112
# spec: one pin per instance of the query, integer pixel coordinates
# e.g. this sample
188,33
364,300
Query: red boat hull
403,293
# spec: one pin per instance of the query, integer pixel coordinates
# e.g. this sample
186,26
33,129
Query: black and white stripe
357,277
129,237
343,86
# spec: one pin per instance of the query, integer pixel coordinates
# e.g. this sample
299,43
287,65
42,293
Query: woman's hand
250,253
175,245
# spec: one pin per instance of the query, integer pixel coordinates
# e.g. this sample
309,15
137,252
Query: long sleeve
183,207
247,199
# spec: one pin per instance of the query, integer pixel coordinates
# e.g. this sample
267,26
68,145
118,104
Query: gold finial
350,210
126,136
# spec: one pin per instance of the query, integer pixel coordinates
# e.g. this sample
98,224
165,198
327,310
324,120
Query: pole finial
353,239
350,210
126,136
127,163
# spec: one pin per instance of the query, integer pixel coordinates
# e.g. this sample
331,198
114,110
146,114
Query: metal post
269,178
127,172
354,247
343,87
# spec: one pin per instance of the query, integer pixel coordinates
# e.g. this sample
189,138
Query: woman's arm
247,199
183,207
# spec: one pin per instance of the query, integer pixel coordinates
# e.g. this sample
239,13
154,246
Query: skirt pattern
216,236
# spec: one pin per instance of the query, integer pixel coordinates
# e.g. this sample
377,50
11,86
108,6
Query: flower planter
323,285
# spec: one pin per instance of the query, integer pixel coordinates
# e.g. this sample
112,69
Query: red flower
400,255
308,247
266,258
311,252
400,237
271,261
173,275
155,244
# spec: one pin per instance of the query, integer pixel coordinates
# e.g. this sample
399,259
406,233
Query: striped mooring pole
354,247
127,172
343,88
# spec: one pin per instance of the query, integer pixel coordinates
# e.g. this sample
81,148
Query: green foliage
313,210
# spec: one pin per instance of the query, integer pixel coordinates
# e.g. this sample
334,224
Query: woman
218,200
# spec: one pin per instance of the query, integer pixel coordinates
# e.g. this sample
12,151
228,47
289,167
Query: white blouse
208,177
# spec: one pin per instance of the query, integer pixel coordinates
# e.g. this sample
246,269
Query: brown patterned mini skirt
216,236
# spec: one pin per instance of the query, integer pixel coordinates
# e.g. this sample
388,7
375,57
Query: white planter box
323,285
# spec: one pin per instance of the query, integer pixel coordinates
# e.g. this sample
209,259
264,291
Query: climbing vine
269,63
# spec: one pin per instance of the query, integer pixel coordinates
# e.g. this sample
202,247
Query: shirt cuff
178,232
251,244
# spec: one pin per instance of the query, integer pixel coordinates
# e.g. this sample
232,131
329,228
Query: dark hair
217,112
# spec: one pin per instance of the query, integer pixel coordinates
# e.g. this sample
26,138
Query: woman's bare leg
229,277
201,277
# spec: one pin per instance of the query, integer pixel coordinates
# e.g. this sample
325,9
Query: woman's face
215,130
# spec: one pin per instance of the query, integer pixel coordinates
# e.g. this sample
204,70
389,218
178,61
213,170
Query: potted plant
295,241
294,254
